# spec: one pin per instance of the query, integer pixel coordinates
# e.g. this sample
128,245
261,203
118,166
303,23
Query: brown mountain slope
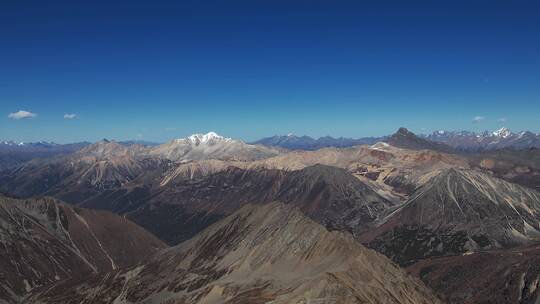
77,177
43,240
260,254
492,277
395,170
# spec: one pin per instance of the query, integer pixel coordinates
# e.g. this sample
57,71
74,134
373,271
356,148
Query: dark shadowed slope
456,212
492,277
260,254
518,166
179,210
43,240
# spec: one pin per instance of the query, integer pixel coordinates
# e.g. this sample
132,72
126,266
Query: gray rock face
43,241
259,254
456,212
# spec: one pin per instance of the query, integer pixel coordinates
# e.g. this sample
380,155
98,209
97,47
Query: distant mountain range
9,145
293,142
45,145
458,140
499,139
15,153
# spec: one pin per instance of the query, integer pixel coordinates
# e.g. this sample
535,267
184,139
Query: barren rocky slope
43,240
178,210
392,170
260,254
98,167
456,212
491,277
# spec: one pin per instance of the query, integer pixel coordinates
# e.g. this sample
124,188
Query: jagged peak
404,132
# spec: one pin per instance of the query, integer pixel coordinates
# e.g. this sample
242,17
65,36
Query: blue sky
159,70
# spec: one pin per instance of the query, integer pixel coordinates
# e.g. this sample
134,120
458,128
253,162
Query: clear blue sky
159,70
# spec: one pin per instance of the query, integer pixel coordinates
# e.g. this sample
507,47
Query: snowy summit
502,132
208,138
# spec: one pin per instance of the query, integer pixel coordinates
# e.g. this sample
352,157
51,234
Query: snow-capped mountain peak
201,139
502,132
488,140
211,146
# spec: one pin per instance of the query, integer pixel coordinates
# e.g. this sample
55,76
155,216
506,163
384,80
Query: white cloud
21,114
70,116
478,119
502,120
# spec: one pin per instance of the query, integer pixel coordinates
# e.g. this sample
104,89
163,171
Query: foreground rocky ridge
260,254
44,240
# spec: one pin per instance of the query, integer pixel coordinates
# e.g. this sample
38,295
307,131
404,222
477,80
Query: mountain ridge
259,254
456,212
44,240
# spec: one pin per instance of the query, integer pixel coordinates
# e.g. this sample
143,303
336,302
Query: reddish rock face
44,240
